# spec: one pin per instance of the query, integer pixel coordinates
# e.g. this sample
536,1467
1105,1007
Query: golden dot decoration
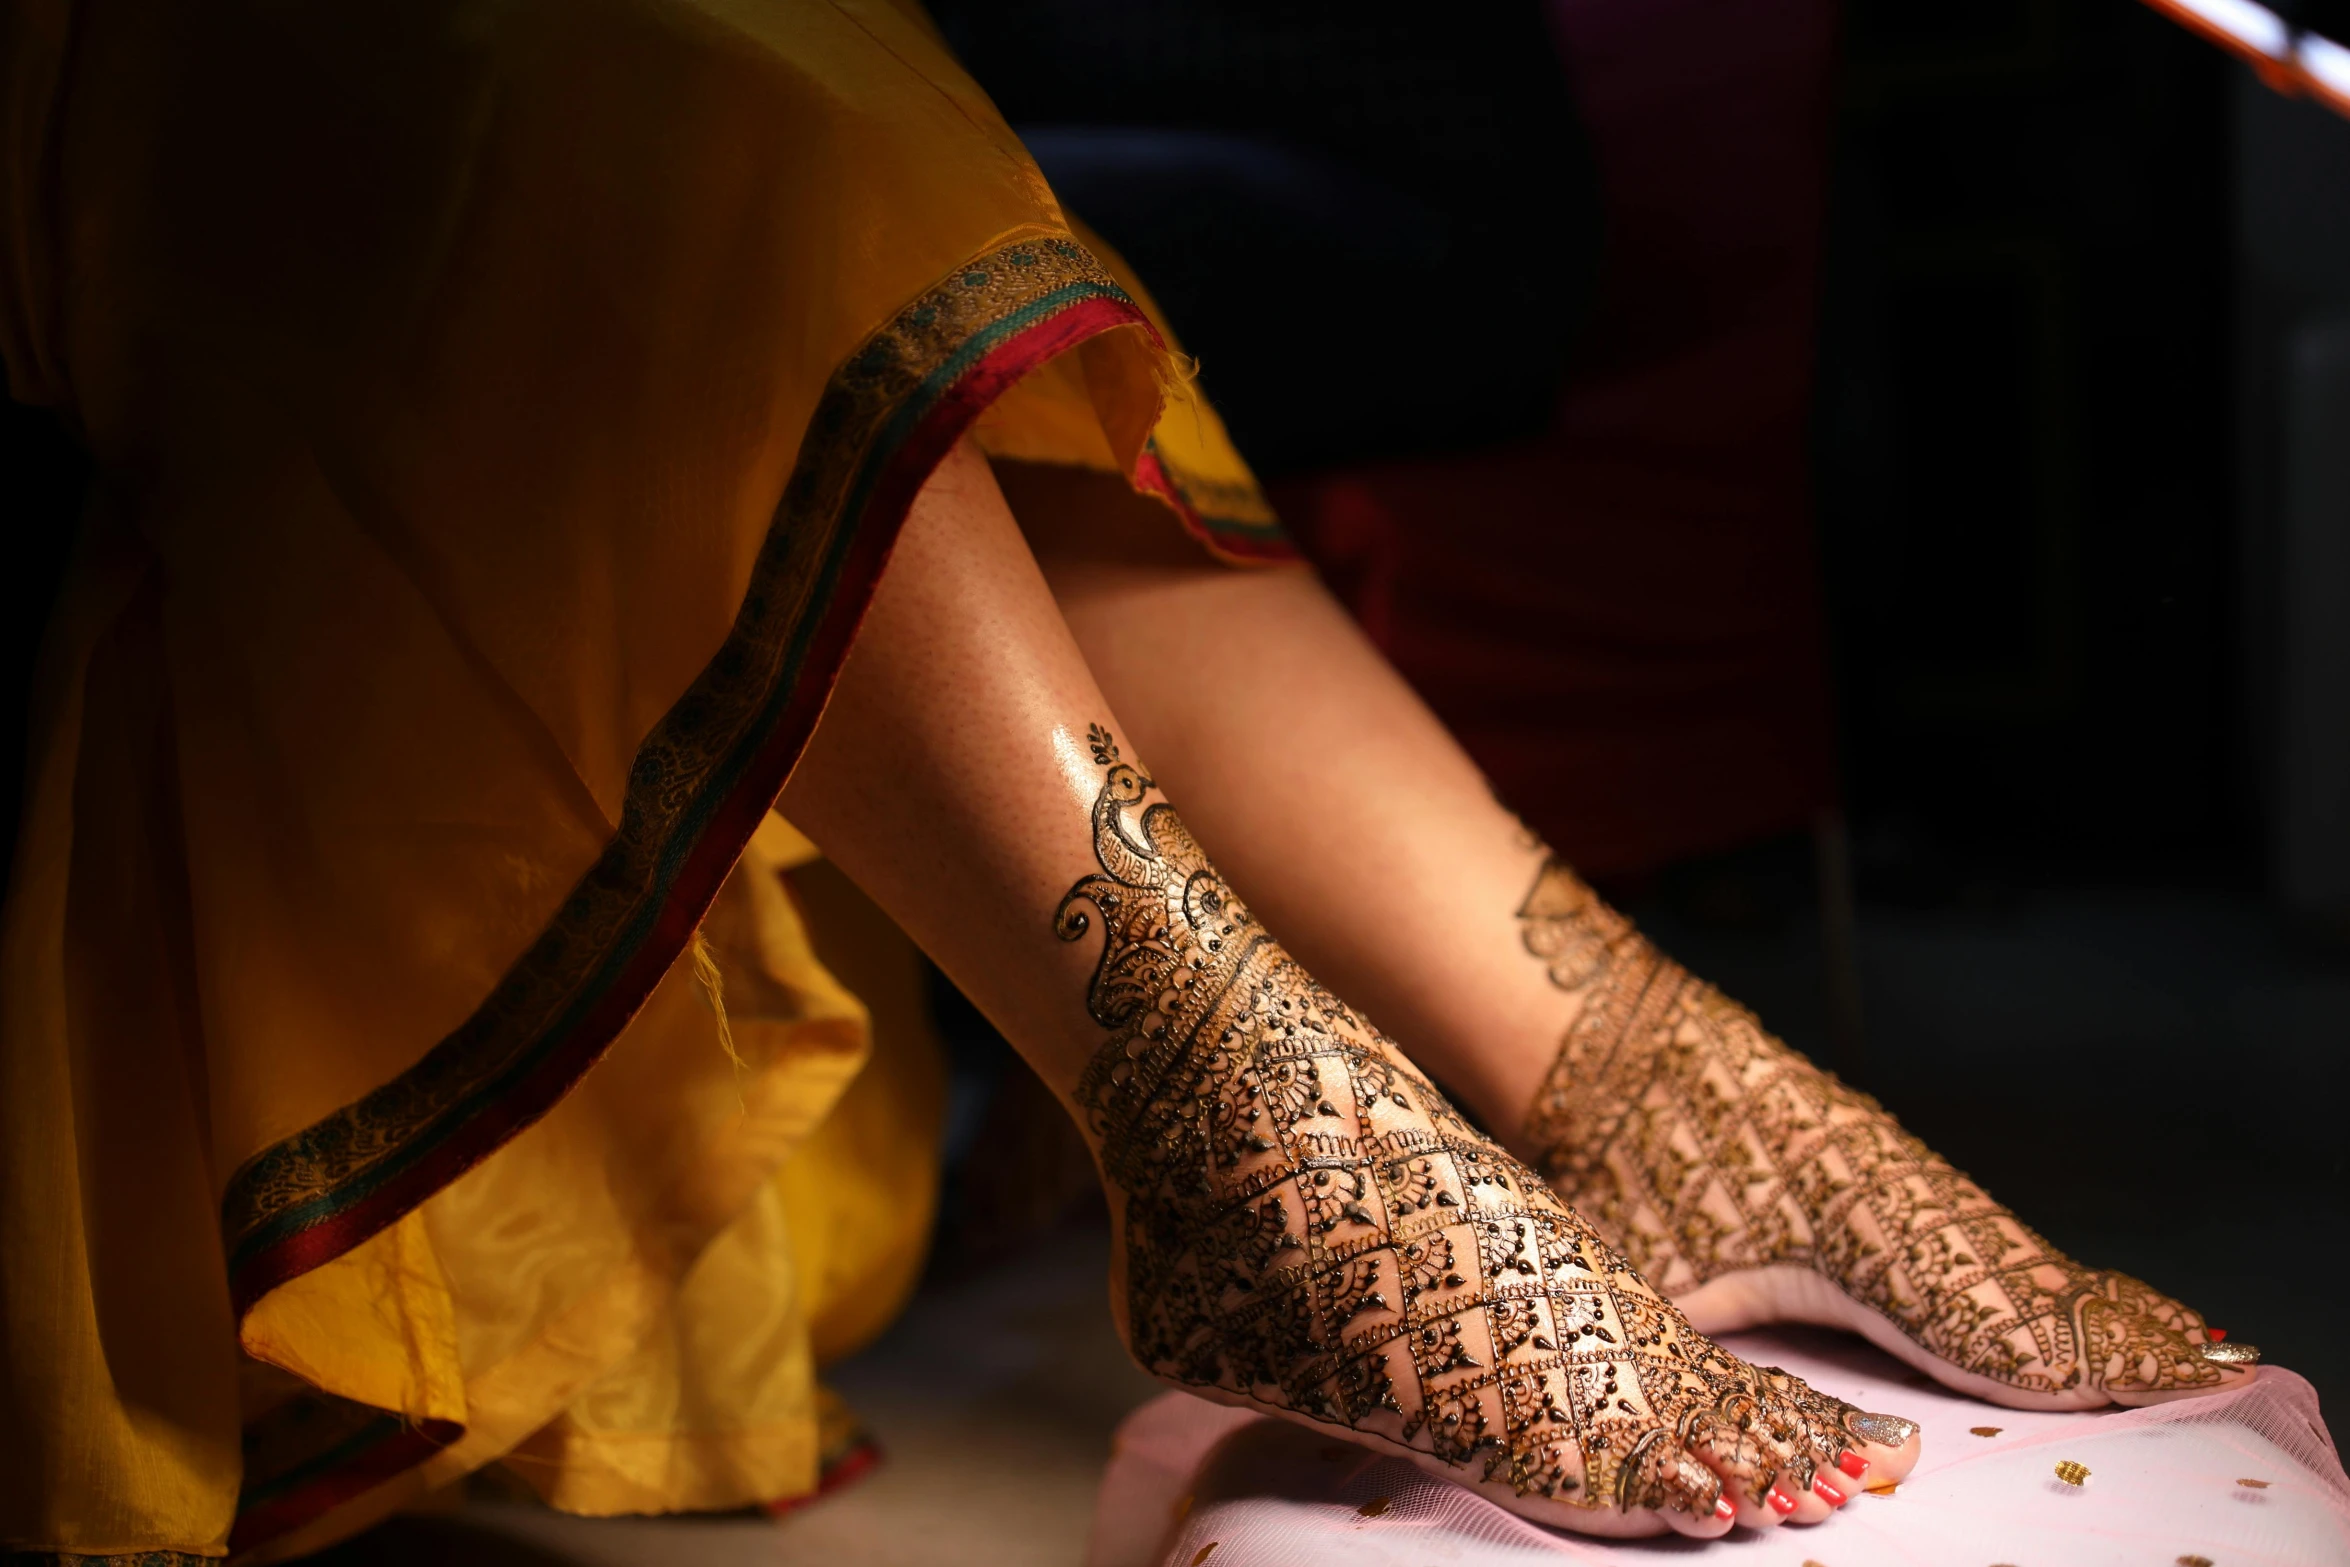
1986,1430
2072,1473
2253,1485
1376,1506
1883,1488
2194,1561
1209,1550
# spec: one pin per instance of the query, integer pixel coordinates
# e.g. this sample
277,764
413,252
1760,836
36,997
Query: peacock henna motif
1703,1147
1310,1226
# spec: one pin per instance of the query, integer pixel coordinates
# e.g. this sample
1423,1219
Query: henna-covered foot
1307,1227
1753,1187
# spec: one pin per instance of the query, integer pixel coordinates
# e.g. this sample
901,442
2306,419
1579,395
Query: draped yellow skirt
502,410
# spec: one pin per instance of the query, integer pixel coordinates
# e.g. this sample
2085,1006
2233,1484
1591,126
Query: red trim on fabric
713,855
846,1470
1246,545
394,1455
729,828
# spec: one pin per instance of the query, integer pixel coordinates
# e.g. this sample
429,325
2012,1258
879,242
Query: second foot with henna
1754,1188
1308,1228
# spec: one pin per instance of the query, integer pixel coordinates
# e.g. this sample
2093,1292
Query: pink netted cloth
2242,1479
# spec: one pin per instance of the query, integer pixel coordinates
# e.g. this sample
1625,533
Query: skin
1346,816
1338,805
955,777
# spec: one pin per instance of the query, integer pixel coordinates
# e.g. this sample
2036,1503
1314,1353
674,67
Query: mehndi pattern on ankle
1308,1224
1704,1146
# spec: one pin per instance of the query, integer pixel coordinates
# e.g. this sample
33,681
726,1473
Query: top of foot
1708,1149
1308,1226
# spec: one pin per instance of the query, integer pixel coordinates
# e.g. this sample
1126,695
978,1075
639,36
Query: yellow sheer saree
503,411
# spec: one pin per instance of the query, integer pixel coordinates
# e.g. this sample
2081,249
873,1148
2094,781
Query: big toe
2162,1364
2143,1347
1886,1445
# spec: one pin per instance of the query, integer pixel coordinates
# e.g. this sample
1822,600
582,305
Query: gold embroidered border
686,765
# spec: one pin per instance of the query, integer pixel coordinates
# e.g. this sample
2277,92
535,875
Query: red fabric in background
1621,619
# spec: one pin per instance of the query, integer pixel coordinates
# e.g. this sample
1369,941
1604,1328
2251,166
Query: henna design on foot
1704,1146
1310,1226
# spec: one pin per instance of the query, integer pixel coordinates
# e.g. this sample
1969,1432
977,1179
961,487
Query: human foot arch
1310,1228
1734,1173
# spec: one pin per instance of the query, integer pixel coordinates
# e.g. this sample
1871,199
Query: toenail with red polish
2215,1334
1725,1509
1781,1502
1828,1493
1853,1464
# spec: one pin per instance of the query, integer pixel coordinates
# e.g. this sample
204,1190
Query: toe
1810,1506
1753,1507
1711,1527
1834,1489
1884,1463
2143,1347
1707,1512
2149,1356
1668,1480
1749,1463
1850,1448
2198,1379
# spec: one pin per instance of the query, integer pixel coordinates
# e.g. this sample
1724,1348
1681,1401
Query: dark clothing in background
1569,254
1418,176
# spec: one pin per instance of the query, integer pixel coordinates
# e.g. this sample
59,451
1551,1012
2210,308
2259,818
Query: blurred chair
1620,616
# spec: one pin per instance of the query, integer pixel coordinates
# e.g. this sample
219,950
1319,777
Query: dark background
2024,444
2068,486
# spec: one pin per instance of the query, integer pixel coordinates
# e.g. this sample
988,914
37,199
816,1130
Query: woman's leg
1741,1179
1337,803
1303,1224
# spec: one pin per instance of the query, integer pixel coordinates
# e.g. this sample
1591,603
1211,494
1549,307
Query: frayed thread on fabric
1176,371
712,985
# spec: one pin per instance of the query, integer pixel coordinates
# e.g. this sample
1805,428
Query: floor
994,1400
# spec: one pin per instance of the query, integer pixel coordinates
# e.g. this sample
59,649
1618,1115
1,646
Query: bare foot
1753,1187
1308,1228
